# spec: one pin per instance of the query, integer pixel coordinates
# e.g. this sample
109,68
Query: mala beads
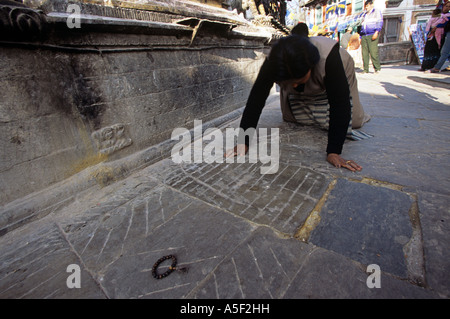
172,267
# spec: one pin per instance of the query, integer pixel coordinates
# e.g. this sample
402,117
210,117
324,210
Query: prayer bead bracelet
172,267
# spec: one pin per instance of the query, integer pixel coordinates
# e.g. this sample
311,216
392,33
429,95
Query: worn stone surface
282,201
434,217
263,266
225,222
134,228
329,275
36,267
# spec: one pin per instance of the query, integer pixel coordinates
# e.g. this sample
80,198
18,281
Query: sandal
433,70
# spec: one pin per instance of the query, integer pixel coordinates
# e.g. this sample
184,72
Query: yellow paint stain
91,158
104,175
314,218
374,182
87,162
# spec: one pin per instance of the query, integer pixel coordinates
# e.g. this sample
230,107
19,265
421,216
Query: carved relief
111,139
21,23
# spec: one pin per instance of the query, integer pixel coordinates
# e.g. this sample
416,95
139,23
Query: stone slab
208,236
267,266
326,274
262,266
120,242
34,266
282,200
371,228
435,222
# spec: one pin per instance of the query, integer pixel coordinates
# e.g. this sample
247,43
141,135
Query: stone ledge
34,22
39,204
111,24
162,11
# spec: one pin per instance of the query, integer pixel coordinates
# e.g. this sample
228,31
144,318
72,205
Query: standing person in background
445,50
431,52
354,49
346,37
436,25
370,31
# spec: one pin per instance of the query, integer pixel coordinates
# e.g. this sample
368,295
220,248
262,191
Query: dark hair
368,2
292,57
437,11
300,29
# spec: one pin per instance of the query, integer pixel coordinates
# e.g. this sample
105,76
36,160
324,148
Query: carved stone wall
18,22
74,99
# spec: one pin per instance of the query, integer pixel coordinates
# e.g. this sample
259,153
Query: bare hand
375,36
238,150
338,161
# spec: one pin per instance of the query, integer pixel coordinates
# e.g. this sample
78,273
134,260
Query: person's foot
421,70
433,70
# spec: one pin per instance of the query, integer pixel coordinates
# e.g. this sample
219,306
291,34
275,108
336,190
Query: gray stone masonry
81,98
308,231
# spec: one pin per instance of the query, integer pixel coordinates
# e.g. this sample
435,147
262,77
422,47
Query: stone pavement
308,231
